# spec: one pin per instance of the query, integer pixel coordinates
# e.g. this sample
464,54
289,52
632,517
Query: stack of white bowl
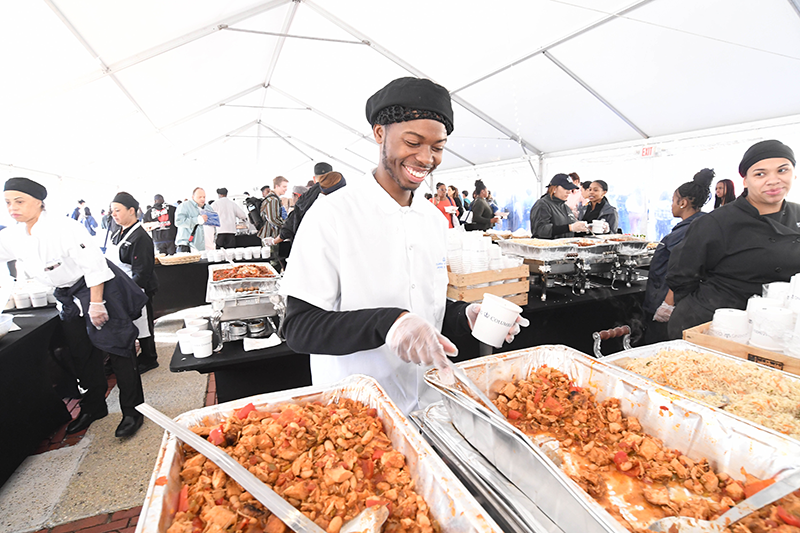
731,324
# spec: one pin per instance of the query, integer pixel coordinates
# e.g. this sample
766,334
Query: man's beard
390,171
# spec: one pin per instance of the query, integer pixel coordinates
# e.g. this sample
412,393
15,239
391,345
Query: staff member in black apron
132,251
98,302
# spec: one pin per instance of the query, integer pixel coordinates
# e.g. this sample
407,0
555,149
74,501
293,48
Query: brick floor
120,521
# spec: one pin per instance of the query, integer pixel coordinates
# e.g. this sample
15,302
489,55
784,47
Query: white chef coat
58,252
360,249
228,210
112,253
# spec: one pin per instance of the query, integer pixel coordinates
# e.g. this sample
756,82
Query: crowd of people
339,306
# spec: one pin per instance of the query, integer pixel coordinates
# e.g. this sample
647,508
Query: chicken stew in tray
630,473
329,461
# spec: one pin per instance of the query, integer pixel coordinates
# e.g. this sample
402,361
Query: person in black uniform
550,216
132,250
659,301
728,254
164,235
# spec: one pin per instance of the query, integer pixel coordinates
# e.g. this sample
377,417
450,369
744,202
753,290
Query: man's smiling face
411,150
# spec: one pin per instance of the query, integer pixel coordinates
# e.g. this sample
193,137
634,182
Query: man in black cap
304,203
728,254
366,283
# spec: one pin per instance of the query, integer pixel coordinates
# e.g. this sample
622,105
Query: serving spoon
369,520
682,524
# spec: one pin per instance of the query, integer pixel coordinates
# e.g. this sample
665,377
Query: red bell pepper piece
183,499
242,413
216,437
538,396
378,453
787,517
514,415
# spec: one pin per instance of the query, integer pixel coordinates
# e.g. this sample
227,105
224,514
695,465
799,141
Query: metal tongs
460,375
774,492
369,520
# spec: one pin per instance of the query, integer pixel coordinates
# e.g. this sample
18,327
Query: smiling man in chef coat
366,283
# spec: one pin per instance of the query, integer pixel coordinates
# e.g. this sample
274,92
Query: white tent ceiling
166,94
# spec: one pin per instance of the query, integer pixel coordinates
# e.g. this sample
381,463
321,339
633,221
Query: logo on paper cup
497,320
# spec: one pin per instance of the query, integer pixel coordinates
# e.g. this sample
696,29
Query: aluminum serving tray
698,431
226,289
450,503
543,253
619,359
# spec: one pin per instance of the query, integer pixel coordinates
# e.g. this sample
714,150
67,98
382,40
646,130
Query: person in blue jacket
687,202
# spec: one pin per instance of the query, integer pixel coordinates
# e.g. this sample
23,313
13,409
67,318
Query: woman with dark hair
730,253
452,192
89,222
724,193
444,203
550,216
598,206
687,202
482,216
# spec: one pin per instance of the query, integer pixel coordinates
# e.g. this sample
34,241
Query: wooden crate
699,335
516,292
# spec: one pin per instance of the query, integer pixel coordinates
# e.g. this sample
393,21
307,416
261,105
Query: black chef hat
322,168
764,150
126,199
564,181
27,186
410,99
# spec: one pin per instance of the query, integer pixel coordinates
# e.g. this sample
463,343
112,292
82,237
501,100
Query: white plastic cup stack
793,345
201,343
731,324
247,254
495,319
185,341
230,255
794,284
778,290
38,298
199,323
238,253
22,300
771,327
256,251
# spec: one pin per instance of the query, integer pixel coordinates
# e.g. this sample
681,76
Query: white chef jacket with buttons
360,249
58,252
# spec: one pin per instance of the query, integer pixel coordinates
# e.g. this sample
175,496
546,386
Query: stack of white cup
454,256
771,321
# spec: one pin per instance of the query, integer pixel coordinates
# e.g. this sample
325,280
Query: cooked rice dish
756,393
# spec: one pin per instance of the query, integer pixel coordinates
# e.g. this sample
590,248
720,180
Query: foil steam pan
450,503
542,253
621,358
227,289
698,431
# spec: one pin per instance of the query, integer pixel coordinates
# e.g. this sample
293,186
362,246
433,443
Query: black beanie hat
764,150
411,99
126,199
322,168
27,186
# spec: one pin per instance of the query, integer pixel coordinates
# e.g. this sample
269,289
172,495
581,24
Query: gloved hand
268,241
606,227
579,227
98,313
414,340
663,312
473,310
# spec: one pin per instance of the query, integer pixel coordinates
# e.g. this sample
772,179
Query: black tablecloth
183,286
31,409
240,374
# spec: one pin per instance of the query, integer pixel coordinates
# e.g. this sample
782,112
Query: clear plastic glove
473,310
606,227
663,312
414,340
268,241
98,313
579,227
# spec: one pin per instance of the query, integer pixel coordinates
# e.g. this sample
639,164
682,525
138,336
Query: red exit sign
648,151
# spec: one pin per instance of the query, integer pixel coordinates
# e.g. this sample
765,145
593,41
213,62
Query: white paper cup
256,251
229,255
265,252
201,343
185,340
247,254
38,299
194,315
598,226
731,324
199,323
771,328
496,317
238,253
22,300
779,290
51,297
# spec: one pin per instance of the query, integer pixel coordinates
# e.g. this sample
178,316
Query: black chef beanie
764,150
410,99
27,186
322,168
126,199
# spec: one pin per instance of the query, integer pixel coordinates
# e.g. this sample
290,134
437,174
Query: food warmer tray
619,359
450,503
524,248
697,430
626,245
505,502
233,289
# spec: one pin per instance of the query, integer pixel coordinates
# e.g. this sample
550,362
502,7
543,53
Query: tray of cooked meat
754,392
541,249
599,449
593,249
329,451
229,281
626,244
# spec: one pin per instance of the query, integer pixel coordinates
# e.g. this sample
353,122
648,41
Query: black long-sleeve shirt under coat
309,329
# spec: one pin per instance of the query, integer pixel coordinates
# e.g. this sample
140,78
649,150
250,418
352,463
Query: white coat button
413,286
